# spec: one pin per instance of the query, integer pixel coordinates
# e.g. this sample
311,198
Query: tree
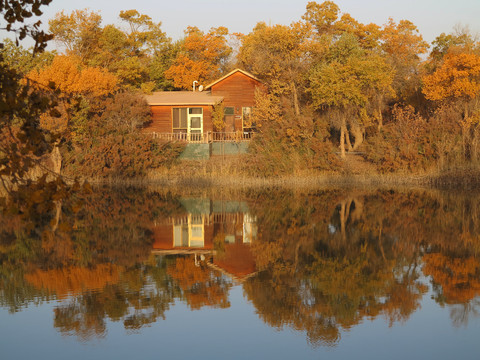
74,84
322,16
79,32
403,45
330,24
22,141
21,60
345,84
457,79
456,82
68,76
145,36
461,41
133,55
277,55
15,12
202,57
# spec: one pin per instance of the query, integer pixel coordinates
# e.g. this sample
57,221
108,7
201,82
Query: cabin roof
183,98
229,74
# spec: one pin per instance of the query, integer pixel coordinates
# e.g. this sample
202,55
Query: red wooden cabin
187,115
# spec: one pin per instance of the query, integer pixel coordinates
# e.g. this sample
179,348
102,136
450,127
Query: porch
205,138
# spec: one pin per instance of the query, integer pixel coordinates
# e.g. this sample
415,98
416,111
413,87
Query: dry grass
226,173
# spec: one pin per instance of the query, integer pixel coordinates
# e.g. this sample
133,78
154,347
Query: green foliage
349,76
22,60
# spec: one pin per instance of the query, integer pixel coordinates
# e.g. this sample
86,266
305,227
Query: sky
432,17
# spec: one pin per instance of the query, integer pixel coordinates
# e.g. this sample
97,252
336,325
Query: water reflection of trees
326,260
95,257
334,259
104,227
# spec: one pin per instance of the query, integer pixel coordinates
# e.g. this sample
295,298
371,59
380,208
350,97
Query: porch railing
205,138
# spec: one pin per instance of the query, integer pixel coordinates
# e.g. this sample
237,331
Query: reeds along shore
204,174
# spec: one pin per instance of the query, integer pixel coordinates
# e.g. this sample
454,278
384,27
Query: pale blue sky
432,17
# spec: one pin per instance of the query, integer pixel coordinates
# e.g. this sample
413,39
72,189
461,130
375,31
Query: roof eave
231,73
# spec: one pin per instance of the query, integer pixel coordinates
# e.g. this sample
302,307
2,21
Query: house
187,115
223,231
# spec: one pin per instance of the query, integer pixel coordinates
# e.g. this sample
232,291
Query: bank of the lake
218,174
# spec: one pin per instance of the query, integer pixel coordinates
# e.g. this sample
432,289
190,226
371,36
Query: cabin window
180,123
229,110
187,120
190,232
195,111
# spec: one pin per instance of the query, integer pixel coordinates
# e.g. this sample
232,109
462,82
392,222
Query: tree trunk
357,132
342,141
56,158
295,98
347,140
380,115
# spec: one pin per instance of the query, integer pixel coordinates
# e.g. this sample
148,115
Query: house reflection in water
220,232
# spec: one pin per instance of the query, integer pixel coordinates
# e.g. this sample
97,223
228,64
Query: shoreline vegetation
208,174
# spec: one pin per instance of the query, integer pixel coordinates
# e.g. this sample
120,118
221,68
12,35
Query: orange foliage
458,277
201,58
74,280
403,41
68,76
186,70
458,77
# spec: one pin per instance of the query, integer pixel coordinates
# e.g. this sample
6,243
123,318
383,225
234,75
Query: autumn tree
403,45
408,142
73,83
21,60
202,57
22,141
277,55
345,83
67,75
456,83
147,47
329,23
285,142
133,54
457,42
78,32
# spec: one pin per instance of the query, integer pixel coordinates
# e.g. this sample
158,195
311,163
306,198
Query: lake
214,274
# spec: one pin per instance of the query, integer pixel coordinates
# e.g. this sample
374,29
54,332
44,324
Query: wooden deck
205,138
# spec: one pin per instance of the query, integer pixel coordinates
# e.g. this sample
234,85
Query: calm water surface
335,274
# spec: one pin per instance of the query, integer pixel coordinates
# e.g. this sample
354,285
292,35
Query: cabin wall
162,118
238,91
